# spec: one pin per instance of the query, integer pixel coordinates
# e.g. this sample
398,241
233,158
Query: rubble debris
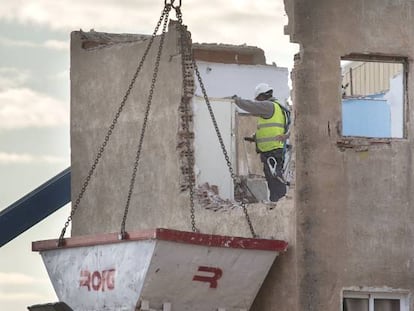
361,144
209,198
242,192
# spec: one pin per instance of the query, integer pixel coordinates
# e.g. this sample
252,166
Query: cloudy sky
34,97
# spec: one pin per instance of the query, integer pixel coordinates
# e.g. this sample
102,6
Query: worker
270,137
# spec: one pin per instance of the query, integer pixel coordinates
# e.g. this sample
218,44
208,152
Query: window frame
372,294
382,58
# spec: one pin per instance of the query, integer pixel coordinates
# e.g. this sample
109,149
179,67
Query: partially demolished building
349,225
101,68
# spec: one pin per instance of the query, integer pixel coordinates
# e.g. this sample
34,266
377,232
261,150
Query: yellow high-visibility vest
268,129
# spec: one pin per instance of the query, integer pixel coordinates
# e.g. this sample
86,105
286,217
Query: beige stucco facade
354,197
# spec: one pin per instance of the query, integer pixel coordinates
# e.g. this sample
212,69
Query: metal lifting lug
60,242
121,235
172,4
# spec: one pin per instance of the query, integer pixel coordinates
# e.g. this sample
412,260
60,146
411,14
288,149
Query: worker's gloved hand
234,97
282,137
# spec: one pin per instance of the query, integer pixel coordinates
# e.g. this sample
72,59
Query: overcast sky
34,97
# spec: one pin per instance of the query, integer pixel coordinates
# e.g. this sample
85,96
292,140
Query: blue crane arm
35,206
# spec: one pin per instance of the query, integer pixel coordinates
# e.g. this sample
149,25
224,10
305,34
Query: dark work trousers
276,187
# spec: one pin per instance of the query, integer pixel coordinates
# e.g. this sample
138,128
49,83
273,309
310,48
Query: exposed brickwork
186,117
229,54
226,57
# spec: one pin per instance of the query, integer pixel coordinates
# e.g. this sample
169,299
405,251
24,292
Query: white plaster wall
223,80
395,99
211,166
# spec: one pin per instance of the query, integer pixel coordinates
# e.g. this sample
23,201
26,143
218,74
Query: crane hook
172,3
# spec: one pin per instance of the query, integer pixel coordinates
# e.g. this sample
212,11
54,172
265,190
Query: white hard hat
262,88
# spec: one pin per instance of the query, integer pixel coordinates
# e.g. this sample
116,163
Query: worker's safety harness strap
187,60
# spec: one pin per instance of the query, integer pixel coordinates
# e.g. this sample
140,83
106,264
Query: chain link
145,122
101,150
186,43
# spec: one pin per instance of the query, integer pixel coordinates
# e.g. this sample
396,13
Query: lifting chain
101,150
186,46
144,125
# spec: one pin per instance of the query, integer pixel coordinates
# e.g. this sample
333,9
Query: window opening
373,96
374,301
